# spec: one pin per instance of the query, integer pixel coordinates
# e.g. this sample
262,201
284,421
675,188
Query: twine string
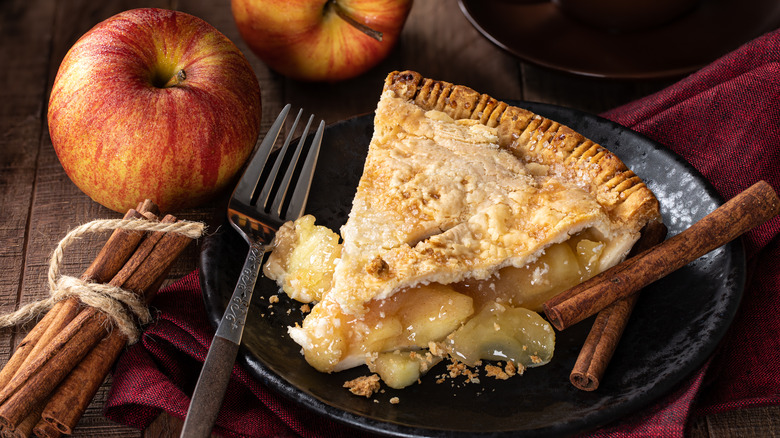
120,305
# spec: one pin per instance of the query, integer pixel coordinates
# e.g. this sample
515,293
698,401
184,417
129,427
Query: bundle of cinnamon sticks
57,369
613,293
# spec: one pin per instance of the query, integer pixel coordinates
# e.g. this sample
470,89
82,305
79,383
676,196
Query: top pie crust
488,185
458,185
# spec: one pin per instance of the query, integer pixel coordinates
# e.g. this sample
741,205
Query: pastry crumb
378,268
364,386
509,370
457,369
273,299
496,371
395,401
437,349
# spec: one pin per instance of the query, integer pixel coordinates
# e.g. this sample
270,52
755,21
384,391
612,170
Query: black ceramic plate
540,34
676,325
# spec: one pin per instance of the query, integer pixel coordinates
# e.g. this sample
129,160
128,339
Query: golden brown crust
534,138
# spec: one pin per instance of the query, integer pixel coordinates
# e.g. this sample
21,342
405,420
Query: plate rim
467,8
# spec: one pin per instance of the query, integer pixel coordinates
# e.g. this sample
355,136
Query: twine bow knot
123,307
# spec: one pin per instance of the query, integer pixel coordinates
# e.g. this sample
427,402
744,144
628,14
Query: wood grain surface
39,204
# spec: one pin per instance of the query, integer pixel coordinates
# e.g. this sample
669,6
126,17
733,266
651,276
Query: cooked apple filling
559,267
468,216
469,321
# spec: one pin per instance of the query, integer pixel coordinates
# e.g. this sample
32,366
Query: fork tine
279,198
270,180
302,186
246,186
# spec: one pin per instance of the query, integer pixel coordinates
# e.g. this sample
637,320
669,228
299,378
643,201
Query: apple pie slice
470,213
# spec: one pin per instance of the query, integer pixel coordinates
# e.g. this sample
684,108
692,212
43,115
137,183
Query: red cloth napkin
724,119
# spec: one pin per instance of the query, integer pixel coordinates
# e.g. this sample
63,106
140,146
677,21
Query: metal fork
262,201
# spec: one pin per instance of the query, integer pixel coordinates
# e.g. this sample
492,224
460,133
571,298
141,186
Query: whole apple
154,104
321,40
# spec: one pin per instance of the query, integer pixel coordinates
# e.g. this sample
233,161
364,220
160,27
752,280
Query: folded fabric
723,119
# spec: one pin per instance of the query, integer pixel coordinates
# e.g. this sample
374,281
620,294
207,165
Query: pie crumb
378,268
460,369
513,369
395,401
437,349
497,372
273,299
364,386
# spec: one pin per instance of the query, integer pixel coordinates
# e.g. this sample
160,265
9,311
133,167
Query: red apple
155,104
320,40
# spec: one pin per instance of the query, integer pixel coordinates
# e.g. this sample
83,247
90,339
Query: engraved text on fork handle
232,325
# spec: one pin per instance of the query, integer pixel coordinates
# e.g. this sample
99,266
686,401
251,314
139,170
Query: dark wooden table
39,204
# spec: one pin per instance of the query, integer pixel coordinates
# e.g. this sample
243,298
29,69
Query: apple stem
375,34
176,79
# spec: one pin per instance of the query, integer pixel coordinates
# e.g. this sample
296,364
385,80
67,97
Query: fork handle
210,389
215,374
231,327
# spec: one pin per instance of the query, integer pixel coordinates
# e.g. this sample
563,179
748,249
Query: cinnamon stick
25,427
29,342
608,327
89,327
110,261
751,208
46,430
27,390
72,397
112,256
119,247
115,252
37,386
